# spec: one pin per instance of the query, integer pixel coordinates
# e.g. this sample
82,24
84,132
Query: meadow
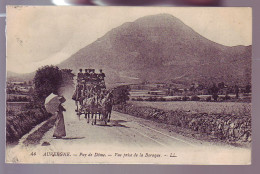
232,108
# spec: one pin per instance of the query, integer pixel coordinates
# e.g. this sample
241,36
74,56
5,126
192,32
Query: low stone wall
231,128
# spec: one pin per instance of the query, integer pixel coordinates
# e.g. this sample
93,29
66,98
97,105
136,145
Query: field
15,106
233,108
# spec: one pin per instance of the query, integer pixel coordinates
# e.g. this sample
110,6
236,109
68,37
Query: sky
45,35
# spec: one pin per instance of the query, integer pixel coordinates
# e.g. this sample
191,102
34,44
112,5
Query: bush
215,97
176,99
139,99
195,98
121,94
227,97
208,98
185,98
151,99
161,99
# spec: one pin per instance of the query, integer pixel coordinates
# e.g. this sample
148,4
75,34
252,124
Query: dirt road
126,139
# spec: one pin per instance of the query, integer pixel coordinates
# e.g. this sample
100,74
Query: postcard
128,85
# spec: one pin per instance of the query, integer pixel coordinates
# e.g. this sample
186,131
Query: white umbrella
51,103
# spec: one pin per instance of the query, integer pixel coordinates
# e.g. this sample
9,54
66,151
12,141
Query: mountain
12,76
161,48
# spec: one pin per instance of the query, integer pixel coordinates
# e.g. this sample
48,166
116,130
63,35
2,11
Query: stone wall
231,128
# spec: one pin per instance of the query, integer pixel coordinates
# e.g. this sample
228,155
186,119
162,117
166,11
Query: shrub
195,98
227,97
161,99
151,99
121,94
215,97
176,99
185,98
139,99
208,98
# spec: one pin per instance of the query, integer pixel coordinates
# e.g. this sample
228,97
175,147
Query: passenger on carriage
80,76
101,77
86,75
93,76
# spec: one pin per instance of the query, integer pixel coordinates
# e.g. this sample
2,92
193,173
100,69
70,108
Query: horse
110,103
77,96
106,107
89,107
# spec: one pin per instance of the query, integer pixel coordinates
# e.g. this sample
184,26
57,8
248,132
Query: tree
214,91
248,88
121,94
236,88
221,85
47,80
192,87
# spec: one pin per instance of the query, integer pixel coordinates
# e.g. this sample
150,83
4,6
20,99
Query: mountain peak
159,16
163,18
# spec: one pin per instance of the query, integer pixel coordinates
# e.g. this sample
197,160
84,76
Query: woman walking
59,130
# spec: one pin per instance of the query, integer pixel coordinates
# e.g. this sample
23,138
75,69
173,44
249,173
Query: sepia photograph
128,85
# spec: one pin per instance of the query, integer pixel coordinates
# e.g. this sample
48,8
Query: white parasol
52,103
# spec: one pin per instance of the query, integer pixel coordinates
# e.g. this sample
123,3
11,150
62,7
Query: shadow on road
71,138
114,123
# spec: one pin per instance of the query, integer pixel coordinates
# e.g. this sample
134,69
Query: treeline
184,98
200,89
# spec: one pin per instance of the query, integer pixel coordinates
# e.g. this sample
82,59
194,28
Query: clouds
37,36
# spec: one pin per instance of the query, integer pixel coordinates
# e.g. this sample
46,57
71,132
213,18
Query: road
126,139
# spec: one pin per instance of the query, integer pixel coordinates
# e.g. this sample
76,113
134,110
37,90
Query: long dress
59,130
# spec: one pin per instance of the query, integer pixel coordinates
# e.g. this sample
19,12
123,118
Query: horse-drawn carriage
91,96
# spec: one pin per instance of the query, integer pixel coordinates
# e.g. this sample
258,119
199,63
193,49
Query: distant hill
161,48
16,77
